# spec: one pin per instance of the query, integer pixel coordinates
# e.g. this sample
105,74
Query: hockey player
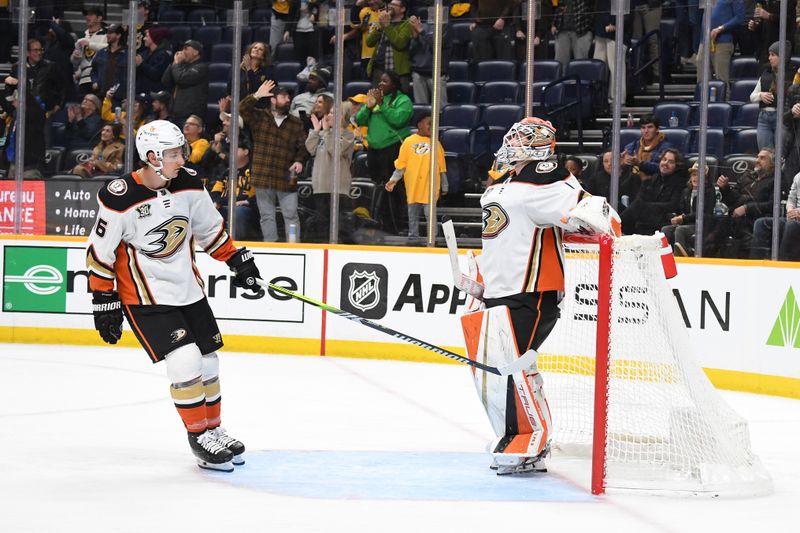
140,259
525,214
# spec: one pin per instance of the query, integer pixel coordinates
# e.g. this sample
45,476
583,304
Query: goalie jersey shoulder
550,170
126,191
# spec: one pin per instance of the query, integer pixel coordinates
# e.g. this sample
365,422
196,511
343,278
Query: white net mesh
668,428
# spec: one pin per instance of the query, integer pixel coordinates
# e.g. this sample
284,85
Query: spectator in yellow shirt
413,166
193,131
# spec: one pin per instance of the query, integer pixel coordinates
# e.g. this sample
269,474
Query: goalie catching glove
593,215
245,269
107,311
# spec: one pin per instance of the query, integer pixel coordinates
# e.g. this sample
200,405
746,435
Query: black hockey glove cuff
107,311
245,269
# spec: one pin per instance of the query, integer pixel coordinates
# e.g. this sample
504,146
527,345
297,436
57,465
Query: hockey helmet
158,136
531,139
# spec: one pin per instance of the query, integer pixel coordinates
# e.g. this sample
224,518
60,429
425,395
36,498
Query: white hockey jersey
522,229
145,239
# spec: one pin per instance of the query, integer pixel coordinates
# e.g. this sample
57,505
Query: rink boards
742,316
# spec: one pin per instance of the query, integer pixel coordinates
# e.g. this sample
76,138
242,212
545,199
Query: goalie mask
533,139
157,137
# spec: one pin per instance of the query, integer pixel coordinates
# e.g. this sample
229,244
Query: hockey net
659,425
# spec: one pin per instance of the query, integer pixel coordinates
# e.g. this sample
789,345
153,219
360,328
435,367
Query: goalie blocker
515,404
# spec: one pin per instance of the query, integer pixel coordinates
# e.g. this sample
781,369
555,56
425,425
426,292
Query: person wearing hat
279,155
86,48
110,65
187,78
152,60
160,102
360,132
246,207
681,229
765,94
391,37
83,123
726,17
317,85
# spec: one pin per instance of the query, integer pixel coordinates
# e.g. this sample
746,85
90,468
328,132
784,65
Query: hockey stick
516,366
462,282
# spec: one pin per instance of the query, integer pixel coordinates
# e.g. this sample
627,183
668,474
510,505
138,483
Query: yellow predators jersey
145,239
522,229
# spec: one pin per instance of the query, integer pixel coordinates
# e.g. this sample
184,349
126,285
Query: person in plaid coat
279,153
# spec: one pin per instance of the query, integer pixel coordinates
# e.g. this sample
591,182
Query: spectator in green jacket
386,114
391,38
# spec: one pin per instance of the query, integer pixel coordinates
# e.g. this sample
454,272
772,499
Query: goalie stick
516,366
462,282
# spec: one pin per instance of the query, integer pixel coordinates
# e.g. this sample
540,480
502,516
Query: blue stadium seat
719,116
744,67
456,140
593,74
461,92
179,35
52,160
419,108
679,138
744,142
740,91
221,53
210,36
711,162
459,71
715,142
544,70
216,90
459,116
719,85
502,116
352,88
261,33
500,92
287,71
454,178
496,71
461,36
628,135
261,15
736,166
78,155
247,35
664,110
171,16
359,167
745,117
203,16
212,115
283,52
219,71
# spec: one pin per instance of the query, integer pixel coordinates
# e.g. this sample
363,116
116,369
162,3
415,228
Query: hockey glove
107,311
244,266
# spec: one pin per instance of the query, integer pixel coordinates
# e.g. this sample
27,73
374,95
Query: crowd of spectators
77,85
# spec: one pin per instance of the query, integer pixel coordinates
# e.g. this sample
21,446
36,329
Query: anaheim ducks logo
171,235
495,220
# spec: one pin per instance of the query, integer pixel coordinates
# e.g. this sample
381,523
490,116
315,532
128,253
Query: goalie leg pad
515,404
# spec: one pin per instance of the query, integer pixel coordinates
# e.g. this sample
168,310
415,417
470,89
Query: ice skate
210,453
235,446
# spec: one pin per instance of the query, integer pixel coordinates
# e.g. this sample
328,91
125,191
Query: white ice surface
90,442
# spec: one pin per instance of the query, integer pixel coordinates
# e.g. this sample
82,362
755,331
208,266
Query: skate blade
238,460
518,470
220,467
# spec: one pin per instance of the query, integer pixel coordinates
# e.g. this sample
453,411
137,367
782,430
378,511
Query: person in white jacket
93,40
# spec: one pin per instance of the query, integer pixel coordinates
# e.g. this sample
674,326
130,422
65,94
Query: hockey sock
213,400
212,390
190,401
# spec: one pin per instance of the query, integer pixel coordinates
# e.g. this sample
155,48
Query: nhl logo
364,293
365,288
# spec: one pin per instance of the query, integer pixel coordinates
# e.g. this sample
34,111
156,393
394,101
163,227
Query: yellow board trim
722,379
